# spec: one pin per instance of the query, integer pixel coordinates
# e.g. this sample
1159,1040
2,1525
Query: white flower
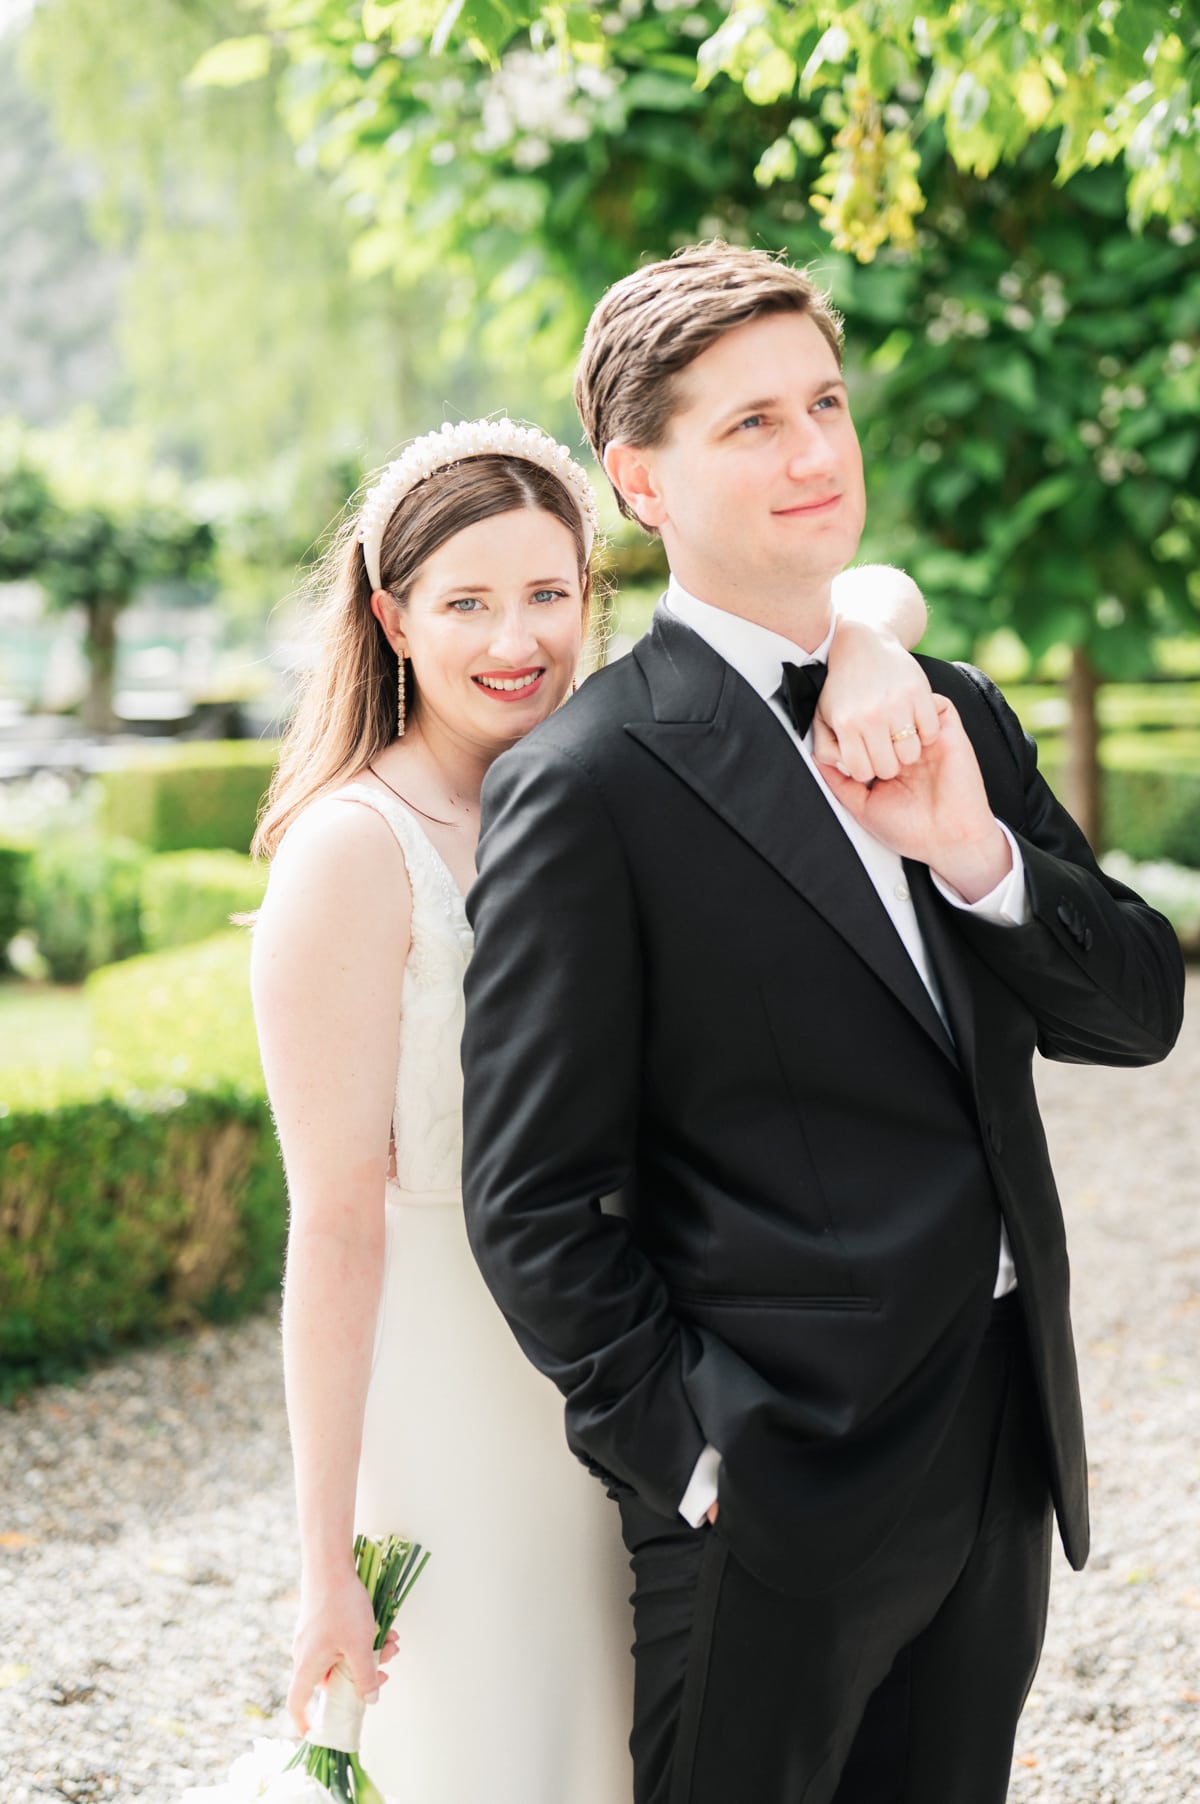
261,1774
296,1788
253,1772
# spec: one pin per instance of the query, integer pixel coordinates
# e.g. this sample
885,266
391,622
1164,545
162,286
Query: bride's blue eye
466,604
548,594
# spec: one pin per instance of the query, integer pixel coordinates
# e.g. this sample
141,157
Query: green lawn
44,1024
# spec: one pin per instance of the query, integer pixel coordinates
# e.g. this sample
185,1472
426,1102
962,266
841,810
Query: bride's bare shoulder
338,844
337,914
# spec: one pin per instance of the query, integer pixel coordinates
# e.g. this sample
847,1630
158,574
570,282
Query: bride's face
494,626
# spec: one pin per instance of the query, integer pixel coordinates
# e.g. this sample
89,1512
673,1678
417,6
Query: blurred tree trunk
101,648
1082,786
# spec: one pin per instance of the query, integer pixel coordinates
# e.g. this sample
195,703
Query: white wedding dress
514,1679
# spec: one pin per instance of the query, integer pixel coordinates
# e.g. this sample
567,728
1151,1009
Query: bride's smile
492,627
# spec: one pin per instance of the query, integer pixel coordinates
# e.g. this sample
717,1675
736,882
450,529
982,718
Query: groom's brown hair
650,325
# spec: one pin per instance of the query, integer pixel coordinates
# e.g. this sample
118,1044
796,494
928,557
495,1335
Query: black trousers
901,1686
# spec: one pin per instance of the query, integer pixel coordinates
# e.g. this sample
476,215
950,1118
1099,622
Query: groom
753,1161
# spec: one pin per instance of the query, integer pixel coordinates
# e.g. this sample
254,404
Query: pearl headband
453,444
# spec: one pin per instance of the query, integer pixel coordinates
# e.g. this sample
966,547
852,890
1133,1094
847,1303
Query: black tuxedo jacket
725,1172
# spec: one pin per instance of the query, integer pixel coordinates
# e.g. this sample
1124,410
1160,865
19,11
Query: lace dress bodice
427,1113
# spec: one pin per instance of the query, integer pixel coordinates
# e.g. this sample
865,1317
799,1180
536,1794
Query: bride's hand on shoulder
335,1626
876,712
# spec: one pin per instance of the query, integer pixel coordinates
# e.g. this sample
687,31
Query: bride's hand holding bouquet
343,1639
335,1634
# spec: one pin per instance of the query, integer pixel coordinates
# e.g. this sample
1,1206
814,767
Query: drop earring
400,707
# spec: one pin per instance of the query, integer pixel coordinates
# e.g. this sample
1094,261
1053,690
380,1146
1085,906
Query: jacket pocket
695,1299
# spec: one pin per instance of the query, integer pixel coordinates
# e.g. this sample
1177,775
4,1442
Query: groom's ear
631,471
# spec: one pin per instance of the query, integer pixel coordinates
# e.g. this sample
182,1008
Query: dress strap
427,869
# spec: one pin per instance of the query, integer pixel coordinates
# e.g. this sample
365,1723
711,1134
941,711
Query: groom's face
758,485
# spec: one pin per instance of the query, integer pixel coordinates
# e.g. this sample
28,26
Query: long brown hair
347,709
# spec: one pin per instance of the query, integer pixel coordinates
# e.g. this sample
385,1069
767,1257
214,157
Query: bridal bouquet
325,1768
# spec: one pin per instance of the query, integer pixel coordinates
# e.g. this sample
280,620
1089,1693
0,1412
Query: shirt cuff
701,1493
1005,906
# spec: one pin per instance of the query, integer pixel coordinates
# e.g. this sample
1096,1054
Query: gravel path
147,1556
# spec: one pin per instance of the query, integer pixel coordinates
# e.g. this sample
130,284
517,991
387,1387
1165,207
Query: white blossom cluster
532,103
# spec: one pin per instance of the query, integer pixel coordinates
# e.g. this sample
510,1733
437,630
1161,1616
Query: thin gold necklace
425,817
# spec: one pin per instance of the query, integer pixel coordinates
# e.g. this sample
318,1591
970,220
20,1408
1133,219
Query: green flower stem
388,1568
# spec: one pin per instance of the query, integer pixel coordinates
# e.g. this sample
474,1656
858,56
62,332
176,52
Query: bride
455,610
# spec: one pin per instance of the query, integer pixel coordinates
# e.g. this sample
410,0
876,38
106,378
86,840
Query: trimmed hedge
127,1216
142,1197
1151,808
91,902
81,896
1153,815
197,795
14,862
188,895
180,1018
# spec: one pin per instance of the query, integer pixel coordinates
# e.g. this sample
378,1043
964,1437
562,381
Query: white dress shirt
758,655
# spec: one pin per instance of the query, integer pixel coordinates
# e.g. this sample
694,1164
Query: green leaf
807,135
984,456
1046,498
968,102
951,571
583,26
832,47
952,398
397,19
886,67
1009,375
1056,623
658,93
1174,456
444,27
491,24
770,78
232,63
777,164
948,488
1146,504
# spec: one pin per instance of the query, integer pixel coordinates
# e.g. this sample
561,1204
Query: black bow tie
802,684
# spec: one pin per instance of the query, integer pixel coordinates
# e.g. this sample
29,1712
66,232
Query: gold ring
904,733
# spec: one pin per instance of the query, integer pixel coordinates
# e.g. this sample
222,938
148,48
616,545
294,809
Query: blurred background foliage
312,227
94,514
340,220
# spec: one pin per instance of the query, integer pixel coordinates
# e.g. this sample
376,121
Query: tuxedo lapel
946,956
728,746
